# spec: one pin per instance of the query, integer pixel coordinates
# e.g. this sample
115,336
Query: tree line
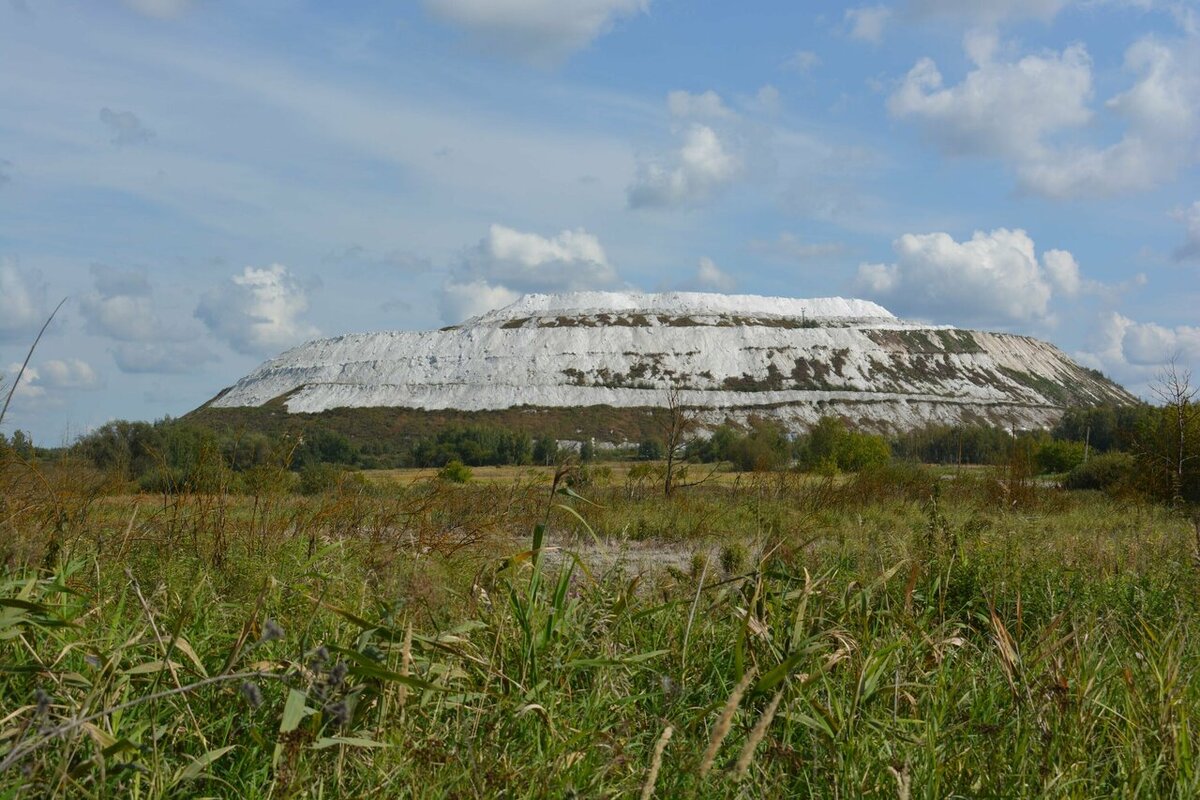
1154,449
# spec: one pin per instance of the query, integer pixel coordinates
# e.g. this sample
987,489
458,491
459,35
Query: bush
830,448
1104,472
317,478
455,472
1059,456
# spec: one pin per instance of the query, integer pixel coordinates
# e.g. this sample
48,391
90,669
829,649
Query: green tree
545,451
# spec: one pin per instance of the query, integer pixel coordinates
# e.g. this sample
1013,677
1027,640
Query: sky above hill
210,183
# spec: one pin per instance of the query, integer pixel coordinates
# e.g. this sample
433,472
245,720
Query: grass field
889,634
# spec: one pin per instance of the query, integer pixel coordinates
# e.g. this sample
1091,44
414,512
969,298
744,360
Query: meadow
900,632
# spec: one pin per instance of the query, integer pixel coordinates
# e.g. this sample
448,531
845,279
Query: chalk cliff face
728,356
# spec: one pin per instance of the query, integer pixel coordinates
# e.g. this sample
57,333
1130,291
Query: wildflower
339,712
320,658
338,673
252,693
271,631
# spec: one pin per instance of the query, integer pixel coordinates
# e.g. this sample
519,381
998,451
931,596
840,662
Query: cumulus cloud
1137,352
45,381
508,262
461,301
992,278
1161,112
162,9
257,312
71,373
867,23
1190,249
702,166
125,127
1021,111
22,302
540,31
710,276
120,306
1063,272
30,387
1000,108
789,247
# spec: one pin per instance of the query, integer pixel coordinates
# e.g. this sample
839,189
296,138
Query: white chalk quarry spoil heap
731,356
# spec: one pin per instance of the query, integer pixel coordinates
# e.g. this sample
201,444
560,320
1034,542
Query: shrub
1059,456
317,478
1104,472
830,448
455,472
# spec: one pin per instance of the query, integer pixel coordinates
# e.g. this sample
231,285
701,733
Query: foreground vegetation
895,633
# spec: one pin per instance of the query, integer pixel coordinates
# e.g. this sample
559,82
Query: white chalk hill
729,356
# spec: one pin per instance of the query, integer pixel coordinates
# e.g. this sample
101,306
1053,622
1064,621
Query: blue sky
210,183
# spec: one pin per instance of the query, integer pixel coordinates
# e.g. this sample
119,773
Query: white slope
732,355
683,304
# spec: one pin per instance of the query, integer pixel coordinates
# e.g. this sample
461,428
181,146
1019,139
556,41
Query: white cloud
508,262
999,109
1190,249
162,9
992,278
542,31
803,61
29,388
710,276
1137,352
701,167
867,23
1063,271
789,247
1161,112
21,302
684,105
1020,111
125,127
120,306
257,312
530,262
71,373
461,301
44,382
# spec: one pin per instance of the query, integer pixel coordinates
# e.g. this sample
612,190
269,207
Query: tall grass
882,638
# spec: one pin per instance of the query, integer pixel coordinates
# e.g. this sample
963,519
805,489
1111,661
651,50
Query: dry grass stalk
405,663
756,736
903,782
724,722
656,762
